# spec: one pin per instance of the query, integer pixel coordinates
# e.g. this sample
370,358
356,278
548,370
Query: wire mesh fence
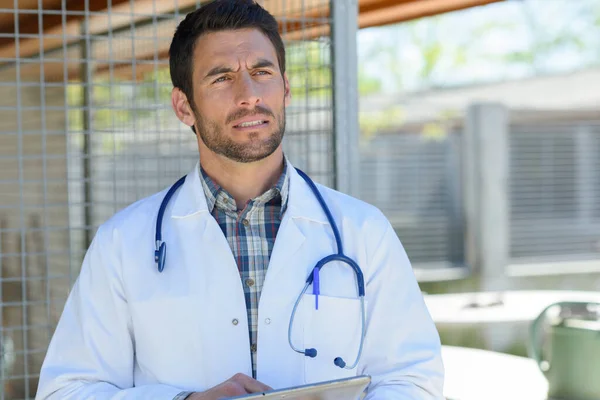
86,128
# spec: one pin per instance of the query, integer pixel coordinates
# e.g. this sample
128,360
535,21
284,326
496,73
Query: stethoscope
160,255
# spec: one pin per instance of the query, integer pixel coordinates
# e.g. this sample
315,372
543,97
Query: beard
256,149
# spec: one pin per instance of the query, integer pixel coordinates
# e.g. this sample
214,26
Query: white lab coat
130,332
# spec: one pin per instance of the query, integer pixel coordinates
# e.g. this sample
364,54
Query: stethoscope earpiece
312,353
340,362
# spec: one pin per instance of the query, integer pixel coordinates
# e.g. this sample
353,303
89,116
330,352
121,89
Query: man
244,233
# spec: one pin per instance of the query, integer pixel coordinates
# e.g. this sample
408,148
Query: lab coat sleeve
91,354
402,351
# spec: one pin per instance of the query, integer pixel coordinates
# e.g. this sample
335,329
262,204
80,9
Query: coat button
250,282
235,321
253,347
246,222
268,321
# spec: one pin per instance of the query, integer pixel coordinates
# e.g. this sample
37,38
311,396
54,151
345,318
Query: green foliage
380,121
156,86
551,37
308,70
366,84
386,54
423,34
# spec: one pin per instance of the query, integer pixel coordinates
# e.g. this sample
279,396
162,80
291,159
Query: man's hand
237,385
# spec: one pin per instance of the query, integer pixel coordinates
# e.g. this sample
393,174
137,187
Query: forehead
232,47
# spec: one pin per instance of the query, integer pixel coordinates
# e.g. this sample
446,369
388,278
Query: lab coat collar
302,202
191,199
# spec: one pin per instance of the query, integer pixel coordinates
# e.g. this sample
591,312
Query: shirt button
268,321
235,321
246,222
250,282
253,347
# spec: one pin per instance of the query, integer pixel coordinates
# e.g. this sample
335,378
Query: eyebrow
221,69
263,63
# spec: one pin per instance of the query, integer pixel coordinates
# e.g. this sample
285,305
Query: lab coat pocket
334,330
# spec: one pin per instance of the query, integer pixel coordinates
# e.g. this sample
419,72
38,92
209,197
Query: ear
182,107
288,91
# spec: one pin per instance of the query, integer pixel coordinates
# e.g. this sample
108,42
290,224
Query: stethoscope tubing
160,254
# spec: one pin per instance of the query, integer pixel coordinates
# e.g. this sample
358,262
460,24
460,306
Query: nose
248,94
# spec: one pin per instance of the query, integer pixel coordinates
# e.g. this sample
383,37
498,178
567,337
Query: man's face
239,94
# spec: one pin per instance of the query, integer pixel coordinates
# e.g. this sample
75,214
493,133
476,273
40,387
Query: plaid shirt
251,234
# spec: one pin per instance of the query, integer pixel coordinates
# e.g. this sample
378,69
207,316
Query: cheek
276,95
212,105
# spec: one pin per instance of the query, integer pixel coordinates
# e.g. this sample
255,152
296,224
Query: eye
262,73
220,79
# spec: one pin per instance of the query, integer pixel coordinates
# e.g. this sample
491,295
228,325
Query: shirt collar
219,197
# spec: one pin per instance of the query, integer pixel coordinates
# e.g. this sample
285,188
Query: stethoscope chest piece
160,252
160,255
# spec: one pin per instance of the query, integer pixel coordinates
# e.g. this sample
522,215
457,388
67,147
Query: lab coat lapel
213,277
302,205
190,213
288,242
302,238
204,245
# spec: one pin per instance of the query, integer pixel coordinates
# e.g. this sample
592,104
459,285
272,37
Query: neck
244,181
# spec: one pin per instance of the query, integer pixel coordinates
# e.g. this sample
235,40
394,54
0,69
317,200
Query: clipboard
338,389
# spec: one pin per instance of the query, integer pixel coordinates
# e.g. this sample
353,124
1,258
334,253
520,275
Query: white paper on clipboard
339,389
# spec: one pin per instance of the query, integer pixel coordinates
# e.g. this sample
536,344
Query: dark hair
218,15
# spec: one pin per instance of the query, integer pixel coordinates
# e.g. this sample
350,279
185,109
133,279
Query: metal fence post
345,95
486,161
86,78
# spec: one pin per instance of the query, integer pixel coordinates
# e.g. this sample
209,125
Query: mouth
254,124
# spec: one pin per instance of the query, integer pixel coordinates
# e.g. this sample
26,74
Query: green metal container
571,362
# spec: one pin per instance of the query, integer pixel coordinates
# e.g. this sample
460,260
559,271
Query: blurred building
493,187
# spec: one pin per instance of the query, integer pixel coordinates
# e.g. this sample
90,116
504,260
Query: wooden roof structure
50,37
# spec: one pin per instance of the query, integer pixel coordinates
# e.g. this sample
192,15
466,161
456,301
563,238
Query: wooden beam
307,34
413,10
29,23
7,19
53,38
124,13
126,71
385,12
53,72
370,5
315,14
298,8
23,4
373,13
